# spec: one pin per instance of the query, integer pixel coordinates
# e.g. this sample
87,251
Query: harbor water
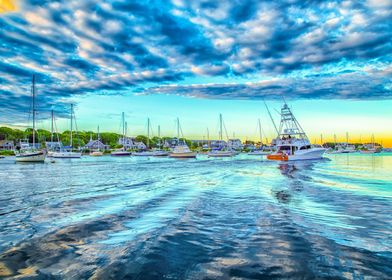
153,218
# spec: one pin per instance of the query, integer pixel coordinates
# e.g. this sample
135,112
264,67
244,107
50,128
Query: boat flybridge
292,142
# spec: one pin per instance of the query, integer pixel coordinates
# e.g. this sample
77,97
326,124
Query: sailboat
98,152
68,153
349,148
181,150
370,148
122,152
52,132
292,142
146,153
159,152
262,151
27,153
222,152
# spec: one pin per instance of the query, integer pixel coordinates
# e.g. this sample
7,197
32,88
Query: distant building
218,144
126,142
131,143
96,145
171,143
235,144
53,146
7,145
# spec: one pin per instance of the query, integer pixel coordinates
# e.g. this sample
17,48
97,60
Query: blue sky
195,59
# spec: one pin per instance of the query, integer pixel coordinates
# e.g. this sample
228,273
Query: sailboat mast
178,128
123,124
273,122
261,138
148,133
159,136
33,90
71,125
208,137
220,128
52,127
98,136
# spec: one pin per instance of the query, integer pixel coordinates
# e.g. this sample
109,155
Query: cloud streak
302,49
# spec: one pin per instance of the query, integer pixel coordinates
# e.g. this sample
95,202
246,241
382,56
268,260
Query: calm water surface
242,218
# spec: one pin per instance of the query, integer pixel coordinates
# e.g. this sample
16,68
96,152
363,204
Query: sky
330,60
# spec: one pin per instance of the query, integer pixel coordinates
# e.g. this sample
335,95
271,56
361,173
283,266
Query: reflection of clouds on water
150,219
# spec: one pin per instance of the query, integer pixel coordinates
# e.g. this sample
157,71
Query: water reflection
238,218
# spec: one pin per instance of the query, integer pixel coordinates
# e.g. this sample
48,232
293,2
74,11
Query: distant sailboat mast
178,129
220,127
33,92
148,133
261,136
52,127
71,126
273,122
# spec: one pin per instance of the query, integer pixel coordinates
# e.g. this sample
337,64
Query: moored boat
68,152
292,142
223,151
122,152
181,150
27,153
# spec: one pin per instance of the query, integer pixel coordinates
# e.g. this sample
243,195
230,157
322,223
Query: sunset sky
330,60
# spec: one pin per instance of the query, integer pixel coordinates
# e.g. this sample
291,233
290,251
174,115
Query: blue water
241,218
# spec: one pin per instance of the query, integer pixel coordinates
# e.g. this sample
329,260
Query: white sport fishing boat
292,142
224,152
122,152
68,153
181,150
27,153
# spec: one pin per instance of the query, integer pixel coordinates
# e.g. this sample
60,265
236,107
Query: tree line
79,139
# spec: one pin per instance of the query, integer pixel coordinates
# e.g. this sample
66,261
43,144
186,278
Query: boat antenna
269,113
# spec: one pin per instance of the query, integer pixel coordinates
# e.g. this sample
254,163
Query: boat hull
221,154
161,154
96,154
143,154
314,153
31,157
120,154
368,152
66,155
183,155
259,153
